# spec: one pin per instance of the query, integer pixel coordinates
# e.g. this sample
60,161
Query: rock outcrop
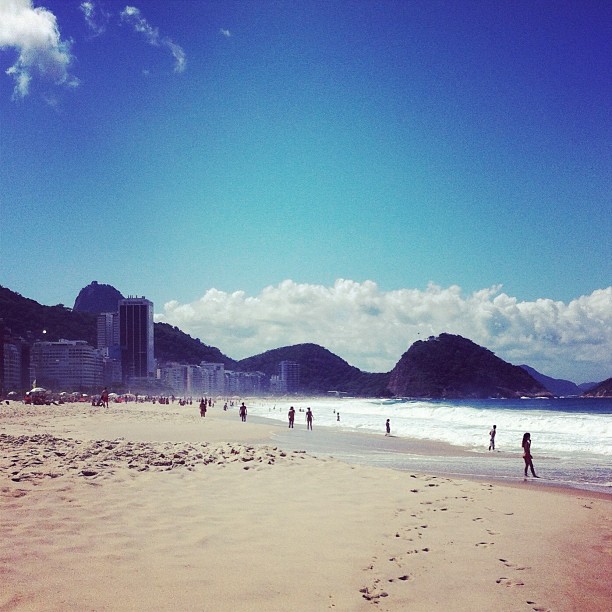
451,366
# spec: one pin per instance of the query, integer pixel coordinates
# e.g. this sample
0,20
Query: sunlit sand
149,507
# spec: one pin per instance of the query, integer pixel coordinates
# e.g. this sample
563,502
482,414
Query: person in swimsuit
527,454
308,419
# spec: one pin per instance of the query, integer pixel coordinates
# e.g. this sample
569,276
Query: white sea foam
554,432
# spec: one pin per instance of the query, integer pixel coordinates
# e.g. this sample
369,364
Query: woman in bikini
527,454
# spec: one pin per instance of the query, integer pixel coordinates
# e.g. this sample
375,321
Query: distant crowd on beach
205,403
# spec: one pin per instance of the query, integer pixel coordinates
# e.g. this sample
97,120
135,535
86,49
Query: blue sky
209,154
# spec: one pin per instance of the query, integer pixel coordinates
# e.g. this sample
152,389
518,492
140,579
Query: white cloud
133,17
34,33
371,328
225,32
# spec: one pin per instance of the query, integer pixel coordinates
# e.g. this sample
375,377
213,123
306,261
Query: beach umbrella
12,394
38,390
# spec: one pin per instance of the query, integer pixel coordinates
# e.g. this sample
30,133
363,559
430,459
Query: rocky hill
557,386
320,370
97,298
603,389
451,366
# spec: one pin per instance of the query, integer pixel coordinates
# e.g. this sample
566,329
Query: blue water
571,437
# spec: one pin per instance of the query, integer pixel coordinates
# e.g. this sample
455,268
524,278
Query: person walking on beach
243,412
202,407
527,454
291,417
104,398
492,435
308,419
388,427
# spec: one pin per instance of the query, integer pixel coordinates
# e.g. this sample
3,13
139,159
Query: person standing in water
243,412
527,454
308,419
492,435
388,427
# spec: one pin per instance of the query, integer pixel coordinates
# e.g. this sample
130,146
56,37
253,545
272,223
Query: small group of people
526,445
309,418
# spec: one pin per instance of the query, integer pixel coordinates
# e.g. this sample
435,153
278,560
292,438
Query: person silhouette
527,454
308,418
388,427
291,417
492,436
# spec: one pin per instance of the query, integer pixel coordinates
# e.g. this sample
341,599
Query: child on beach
527,454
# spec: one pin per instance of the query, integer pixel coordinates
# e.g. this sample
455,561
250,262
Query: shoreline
354,447
182,512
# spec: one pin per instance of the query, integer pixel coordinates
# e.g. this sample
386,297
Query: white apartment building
67,365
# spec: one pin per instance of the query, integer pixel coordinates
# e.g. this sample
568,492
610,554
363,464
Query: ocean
571,437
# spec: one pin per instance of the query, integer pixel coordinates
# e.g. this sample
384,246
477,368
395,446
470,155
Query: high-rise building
289,376
136,340
108,330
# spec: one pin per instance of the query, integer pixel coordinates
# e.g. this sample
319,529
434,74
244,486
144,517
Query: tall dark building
136,339
289,376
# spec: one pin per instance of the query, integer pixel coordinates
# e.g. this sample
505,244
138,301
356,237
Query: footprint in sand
513,565
509,583
537,608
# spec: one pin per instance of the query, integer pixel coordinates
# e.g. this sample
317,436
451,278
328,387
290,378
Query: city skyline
358,175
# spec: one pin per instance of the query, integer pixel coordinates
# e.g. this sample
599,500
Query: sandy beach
151,507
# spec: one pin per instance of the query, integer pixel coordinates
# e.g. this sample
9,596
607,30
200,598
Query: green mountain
172,344
33,321
320,371
454,367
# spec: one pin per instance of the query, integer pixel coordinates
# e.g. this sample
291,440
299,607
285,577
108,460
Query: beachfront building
288,377
244,383
193,380
67,365
213,378
136,340
176,377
